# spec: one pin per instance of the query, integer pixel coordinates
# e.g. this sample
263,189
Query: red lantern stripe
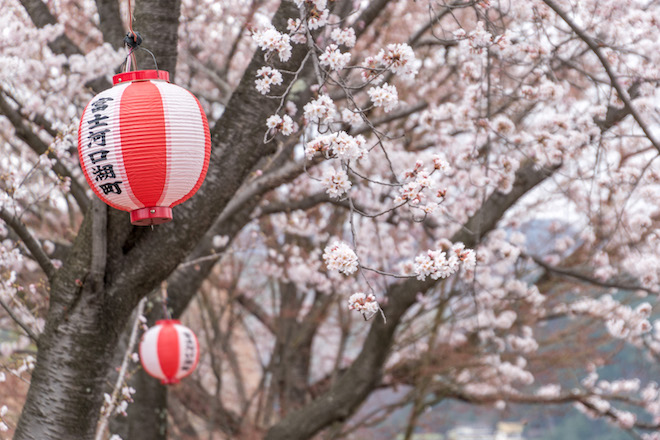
144,141
168,351
185,126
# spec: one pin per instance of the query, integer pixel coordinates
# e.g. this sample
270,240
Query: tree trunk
74,352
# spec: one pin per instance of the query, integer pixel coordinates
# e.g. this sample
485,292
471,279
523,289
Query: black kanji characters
99,126
98,121
98,156
109,188
100,104
103,172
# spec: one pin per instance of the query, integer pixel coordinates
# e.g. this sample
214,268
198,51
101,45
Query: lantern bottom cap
155,215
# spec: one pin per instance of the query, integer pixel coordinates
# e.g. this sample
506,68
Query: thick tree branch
30,242
41,16
158,23
368,15
255,309
110,22
194,397
527,177
99,242
364,374
33,141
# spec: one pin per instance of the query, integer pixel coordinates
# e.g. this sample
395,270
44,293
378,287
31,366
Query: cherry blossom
333,58
384,96
336,183
363,303
344,37
269,40
267,76
339,256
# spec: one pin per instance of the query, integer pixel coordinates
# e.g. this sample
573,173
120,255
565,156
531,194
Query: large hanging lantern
169,351
144,145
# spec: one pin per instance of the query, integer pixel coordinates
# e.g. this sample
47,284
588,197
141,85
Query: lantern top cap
140,75
167,321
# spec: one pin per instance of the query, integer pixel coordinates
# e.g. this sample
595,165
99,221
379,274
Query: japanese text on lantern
101,168
188,352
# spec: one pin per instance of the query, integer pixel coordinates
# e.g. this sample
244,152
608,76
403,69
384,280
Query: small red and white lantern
144,145
169,351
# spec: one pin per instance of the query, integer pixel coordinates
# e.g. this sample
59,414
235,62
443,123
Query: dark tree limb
99,242
27,135
30,242
110,22
157,21
368,15
74,352
41,16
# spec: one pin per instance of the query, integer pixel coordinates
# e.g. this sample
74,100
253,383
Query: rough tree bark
85,317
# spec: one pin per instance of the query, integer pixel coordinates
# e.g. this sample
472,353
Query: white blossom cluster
492,376
297,31
364,303
271,40
282,124
384,96
321,110
397,58
267,76
339,256
621,321
336,182
334,59
344,37
437,264
420,187
340,145
317,14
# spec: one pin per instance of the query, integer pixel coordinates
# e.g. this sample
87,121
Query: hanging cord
133,40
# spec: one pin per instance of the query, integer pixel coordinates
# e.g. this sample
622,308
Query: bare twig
105,416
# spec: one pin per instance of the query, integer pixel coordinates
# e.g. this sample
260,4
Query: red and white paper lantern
144,145
169,351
